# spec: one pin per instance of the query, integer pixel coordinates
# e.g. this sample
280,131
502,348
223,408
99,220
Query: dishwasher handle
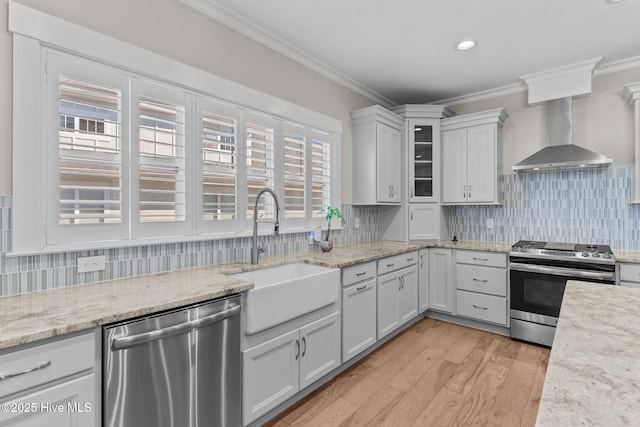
122,343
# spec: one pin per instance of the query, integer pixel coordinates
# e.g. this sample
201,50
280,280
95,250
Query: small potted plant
326,245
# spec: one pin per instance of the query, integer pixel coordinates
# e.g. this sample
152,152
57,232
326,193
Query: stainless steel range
538,274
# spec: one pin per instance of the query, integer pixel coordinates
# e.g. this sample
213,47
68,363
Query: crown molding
216,11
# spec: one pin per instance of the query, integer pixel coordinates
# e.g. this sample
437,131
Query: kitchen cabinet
471,157
419,216
397,292
481,286
425,221
377,156
629,275
358,309
441,282
277,369
54,383
424,159
423,280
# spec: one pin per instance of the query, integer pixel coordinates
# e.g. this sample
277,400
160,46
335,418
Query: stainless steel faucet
255,250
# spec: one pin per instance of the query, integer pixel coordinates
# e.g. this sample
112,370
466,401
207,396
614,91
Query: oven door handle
561,271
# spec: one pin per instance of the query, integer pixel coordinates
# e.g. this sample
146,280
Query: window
130,145
295,171
320,174
89,153
260,148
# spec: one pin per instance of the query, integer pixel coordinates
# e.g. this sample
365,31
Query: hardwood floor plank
379,403
313,404
433,374
409,409
531,412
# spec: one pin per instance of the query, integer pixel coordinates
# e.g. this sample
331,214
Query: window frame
35,33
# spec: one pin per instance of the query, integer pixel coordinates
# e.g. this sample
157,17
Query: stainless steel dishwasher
179,368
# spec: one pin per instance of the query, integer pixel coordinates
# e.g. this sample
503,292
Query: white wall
601,122
170,28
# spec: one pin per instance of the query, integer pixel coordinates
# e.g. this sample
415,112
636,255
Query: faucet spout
255,250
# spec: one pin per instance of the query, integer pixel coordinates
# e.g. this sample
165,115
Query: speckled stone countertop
39,315
626,256
593,378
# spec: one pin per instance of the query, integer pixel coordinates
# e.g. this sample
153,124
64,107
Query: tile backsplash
23,274
580,206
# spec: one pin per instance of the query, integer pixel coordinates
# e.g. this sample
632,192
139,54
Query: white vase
326,245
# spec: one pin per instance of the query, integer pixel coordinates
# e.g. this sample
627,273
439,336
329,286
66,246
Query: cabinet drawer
358,273
487,308
630,272
47,362
490,259
397,262
487,280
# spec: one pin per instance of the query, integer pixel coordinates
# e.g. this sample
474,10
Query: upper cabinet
472,158
377,156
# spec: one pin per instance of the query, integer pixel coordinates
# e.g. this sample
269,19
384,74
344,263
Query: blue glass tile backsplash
23,274
580,206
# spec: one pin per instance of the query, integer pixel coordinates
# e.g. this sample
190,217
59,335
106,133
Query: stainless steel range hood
560,152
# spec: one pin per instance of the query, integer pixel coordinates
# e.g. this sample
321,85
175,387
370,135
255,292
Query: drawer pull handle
35,368
361,273
480,259
480,308
359,288
410,259
391,265
479,280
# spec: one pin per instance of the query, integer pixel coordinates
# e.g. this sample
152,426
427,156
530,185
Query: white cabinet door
481,163
454,166
423,280
424,159
319,348
424,221
388,306
69,404
441,280
408,295
270,374
388,159
358,318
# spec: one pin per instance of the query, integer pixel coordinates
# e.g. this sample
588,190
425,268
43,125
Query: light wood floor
433,374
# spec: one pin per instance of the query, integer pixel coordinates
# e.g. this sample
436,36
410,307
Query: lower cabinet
52,384
441,283
630,275
277,369
423,280
358,318
487,308
397,299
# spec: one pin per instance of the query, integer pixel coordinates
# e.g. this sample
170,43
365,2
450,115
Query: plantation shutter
294,170
259,134
320,174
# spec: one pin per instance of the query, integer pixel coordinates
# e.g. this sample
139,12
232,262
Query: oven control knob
606,256
585,254
595,255
523,250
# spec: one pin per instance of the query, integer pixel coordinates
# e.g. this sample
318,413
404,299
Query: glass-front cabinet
424,154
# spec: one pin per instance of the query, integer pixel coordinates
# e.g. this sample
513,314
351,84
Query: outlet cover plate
91,263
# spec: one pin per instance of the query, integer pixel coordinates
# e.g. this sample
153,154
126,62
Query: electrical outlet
356,222
91,263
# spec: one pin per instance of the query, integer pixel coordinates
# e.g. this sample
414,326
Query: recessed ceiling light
466,44
614,1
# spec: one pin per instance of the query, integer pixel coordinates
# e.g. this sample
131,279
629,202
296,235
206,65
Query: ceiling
403,51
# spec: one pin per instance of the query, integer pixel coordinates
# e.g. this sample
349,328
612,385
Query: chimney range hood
556,88
560,152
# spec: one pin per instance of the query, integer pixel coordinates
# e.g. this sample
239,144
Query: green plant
332,213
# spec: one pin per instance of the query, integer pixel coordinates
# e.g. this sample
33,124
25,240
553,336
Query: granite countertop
626,255
39,315
593,378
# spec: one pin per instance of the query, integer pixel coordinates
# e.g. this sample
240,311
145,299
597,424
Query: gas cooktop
563,251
